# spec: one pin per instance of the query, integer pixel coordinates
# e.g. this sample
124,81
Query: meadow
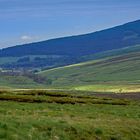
61,115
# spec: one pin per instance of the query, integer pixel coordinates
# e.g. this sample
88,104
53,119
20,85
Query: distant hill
70,50
109,39
121,70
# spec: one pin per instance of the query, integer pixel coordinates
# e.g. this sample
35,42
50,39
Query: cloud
26,38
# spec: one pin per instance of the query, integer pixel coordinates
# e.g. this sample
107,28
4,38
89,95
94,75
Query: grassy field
113,88
56,115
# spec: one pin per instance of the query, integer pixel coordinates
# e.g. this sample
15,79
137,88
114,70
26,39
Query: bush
98,131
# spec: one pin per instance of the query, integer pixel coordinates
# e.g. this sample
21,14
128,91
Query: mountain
70,50
120,70
113,38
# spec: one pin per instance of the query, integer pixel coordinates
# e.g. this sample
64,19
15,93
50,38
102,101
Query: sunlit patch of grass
110,88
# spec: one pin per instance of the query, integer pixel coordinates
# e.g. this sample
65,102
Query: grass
18,82
42,96
56,121
110,74
118,88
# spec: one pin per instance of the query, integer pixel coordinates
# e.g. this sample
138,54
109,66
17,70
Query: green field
113,88
55,115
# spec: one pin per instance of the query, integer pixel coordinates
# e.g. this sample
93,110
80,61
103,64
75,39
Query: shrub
98,131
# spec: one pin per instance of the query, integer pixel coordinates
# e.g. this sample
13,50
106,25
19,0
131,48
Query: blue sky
24,21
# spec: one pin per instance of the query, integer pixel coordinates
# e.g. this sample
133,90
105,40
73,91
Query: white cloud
26,38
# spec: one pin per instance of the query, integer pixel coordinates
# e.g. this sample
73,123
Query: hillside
70,50
16,82
111,53
112,70
120,72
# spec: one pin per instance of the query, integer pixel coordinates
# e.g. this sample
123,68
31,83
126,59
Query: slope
19,82
120,71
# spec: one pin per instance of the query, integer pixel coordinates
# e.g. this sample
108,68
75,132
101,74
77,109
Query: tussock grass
54,97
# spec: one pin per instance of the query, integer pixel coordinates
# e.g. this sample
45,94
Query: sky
25,21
